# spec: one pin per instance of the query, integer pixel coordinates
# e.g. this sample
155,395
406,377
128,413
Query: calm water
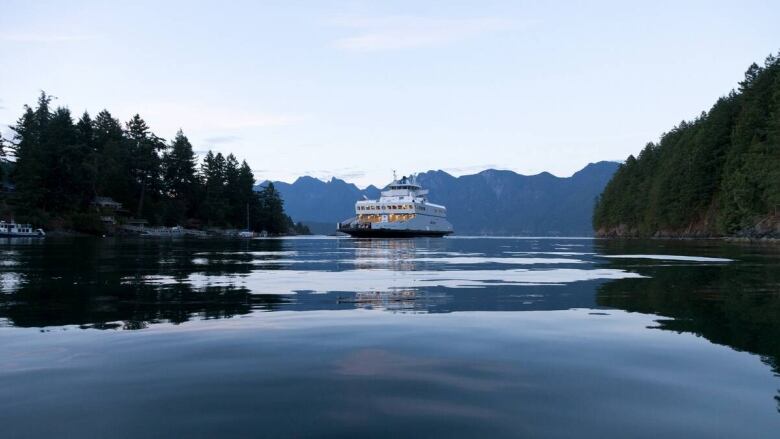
428,337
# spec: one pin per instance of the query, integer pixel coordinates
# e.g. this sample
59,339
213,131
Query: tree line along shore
93,175
715,176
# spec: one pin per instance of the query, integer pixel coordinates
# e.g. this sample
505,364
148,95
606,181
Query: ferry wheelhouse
402,210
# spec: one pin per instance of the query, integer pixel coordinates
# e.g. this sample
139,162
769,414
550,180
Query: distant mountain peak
493,201
602,167
307,179
601,164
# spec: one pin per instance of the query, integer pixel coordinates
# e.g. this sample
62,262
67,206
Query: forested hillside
55,168
716,175
316,201
497,202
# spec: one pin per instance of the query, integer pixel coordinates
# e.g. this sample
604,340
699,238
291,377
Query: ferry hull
392,233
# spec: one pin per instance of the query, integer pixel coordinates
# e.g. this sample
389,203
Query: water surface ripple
458,337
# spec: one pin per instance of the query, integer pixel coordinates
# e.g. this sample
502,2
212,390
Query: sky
357,89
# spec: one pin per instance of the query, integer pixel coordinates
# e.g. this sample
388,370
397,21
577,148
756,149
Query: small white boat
163,231
246,234
13,230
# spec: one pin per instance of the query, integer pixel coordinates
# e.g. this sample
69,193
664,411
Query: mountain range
491,202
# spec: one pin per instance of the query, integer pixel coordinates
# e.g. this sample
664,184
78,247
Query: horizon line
333,177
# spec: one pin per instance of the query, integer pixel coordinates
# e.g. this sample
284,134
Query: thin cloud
221,139
350,175
341,173
472,168
43,38
394,33
170,116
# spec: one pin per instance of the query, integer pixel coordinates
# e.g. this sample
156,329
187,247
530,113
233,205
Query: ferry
402,210
13,230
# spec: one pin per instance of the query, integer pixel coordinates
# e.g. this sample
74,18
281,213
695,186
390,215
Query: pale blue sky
355,89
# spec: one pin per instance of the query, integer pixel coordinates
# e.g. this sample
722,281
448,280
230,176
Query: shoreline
59,233
732,239
736,239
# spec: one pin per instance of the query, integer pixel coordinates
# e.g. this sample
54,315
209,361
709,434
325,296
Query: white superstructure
402,210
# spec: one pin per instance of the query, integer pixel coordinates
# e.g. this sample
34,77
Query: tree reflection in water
735,305
131,284
102,284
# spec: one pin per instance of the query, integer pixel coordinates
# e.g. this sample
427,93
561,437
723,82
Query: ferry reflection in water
393,254
395,301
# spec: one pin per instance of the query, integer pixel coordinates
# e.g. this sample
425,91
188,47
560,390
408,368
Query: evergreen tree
85,139
248,200
85,131
271,216
29,172
66,187
106,129
301,229
180,167
2,159
61,166
145,168
215,204
180,180
236,206
112,160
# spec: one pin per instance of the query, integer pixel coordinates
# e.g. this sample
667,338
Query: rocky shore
766,229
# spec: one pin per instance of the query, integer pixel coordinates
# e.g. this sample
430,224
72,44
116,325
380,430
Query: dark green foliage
300,228
269,211
180,183
86,222
111,160
3,162
716,175
233,196
215,206
144,165
61,166
735,304
230,199
30,161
